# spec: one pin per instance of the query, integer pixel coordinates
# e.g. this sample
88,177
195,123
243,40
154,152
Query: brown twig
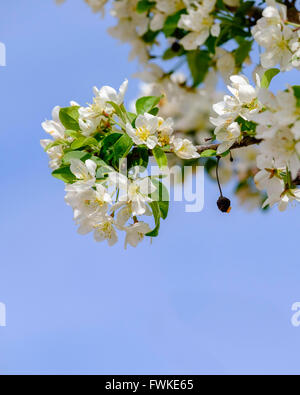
246,142
297,180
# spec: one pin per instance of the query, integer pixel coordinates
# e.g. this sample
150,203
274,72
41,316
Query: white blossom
228,136
184,148
56,130
55,153
199,23
135,192
135,233
90,117
225,63
145,131
54,127
105,230
243,103
280,41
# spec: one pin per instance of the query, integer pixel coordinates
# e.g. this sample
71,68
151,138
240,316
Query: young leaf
296,89
242,52
150,36
161,195
246,126
64,173
207,153
221,5
170,53
156,214
54,143
83,141
69,117
267,77
171,23
164,208
81,155
199,62
211,44
245,7
144,6
107,149
131,117
73,134
224,154
160,157
154,111
122,147
118,110
147,103
103,169
139,156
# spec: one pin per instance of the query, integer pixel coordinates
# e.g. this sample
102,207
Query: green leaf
246,126
267,77
171,23
150,36
64,173
156,214
224,154
296,89
107,149
241,53
147,103
139,156
164,208
199,63
170,53
69,117
84,141
237,29
245,7
161,195
208,153
122,147
160,157
211,44
144,6
73,134
224,36
103,169
81,155
54,143
221,5
131,117
118,110
154,111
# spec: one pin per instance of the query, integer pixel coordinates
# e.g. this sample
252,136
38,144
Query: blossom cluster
100,151
206,26
193,29
183,47
273,122
278,37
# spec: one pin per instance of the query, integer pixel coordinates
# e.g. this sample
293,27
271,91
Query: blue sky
212,294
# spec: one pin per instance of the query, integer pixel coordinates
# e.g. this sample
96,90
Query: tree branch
293,15
297,180
246,142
